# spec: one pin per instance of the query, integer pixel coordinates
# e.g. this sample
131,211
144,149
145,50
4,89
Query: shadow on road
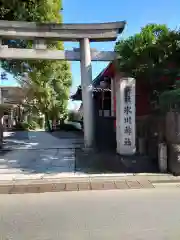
106,162
77,135
17,139
62,152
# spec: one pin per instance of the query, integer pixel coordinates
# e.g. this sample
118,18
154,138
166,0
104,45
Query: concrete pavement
35,162
143,214
37,152
59,183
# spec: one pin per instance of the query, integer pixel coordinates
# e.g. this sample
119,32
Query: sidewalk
78,182
35,162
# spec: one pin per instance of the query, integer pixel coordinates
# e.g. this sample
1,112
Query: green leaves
48,82
170,100
144,51
150,55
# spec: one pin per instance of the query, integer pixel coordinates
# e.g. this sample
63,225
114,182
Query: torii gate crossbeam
83,33
32,54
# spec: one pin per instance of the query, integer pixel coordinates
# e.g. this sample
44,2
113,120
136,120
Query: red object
171,65
110,71
163,78
142,93
143,106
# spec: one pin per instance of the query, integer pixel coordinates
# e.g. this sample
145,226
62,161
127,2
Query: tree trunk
48,122
62,121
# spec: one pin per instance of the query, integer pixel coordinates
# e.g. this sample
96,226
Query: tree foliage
149,51
31,11
151,55
48,82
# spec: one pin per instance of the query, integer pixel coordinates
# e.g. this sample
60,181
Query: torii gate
82,33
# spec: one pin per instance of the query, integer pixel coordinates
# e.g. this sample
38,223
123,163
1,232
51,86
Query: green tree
31,11
150,55
142,53
49,90
48,82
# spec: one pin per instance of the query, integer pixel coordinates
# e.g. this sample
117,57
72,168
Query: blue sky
136,13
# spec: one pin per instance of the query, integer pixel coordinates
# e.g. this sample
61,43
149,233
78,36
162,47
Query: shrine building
122,113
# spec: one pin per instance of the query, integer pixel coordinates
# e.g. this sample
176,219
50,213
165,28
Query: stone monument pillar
125,116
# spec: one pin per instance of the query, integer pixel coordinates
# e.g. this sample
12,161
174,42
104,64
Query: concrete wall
173,127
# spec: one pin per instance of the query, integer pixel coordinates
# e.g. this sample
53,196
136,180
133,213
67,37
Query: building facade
11,99
109,113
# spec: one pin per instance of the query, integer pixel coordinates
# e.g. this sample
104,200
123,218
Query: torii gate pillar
86,83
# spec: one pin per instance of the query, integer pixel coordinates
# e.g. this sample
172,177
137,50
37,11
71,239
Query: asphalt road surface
130,214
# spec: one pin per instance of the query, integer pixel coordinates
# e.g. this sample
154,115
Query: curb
64,185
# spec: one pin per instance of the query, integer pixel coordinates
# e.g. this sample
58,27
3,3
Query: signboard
127,117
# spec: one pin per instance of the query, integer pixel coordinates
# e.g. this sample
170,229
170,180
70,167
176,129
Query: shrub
67,127
26,126
21,126
33,125
72,116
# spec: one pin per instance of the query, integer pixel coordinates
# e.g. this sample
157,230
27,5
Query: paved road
38,152
130,214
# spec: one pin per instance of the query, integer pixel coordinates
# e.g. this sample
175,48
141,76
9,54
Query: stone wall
173,127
